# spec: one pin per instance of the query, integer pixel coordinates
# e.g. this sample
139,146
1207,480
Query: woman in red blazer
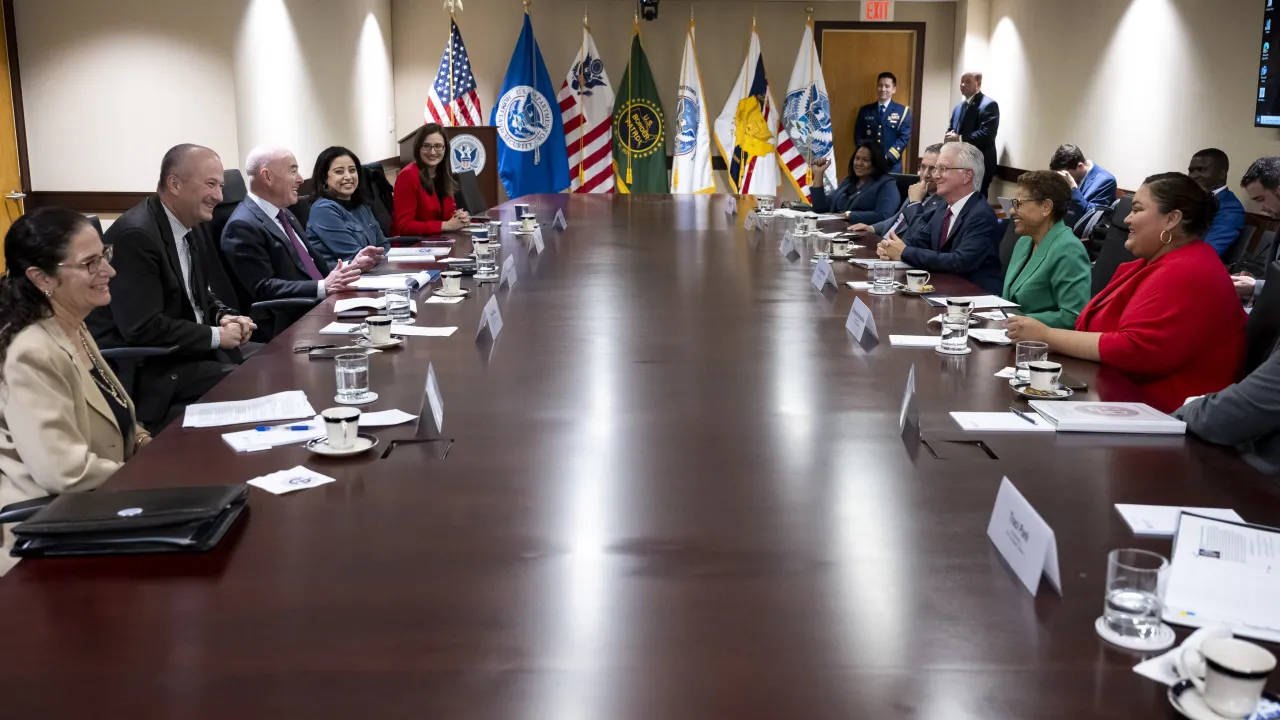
423,198
1171,320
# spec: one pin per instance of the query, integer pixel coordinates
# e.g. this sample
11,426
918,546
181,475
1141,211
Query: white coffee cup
452,281
840,247
522,209
1229,673
341,424
377,328
1044,375
917,279
527,222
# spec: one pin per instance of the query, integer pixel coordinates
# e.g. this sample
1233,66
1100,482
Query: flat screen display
1267,113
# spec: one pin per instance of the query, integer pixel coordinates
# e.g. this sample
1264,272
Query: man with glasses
917,209
962,238
1261,182
161,297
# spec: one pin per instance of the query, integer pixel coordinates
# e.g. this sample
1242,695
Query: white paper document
915,341
1001,422
287,405
418,254
994,336
868,264
992,315
394,280
980,302
353,329
1024,539
1162,520
1007,373
860,285
304,430
348,305
438,300
1224,572
287,481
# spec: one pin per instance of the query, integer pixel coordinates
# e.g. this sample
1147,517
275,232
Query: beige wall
490,28
108,87
1138,84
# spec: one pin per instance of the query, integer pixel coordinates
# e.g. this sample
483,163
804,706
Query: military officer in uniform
886,122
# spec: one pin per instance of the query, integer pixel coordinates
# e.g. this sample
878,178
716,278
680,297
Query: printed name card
909,415
752,221
508,272
860,321
1024,539
433,398
731,206
538,243
490,318
788,246
559,222
823,276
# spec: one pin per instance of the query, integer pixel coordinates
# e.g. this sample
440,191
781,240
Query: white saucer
1022,387
873,291
410,321
1162,641
940,351
462,292
1184,698
367,343
938,318
363,400
363,443
487,278
908,291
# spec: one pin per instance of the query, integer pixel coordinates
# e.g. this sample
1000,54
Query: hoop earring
1162,234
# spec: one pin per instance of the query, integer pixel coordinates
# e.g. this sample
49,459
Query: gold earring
1162,234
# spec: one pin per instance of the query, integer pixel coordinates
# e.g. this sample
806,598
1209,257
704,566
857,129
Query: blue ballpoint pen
267,428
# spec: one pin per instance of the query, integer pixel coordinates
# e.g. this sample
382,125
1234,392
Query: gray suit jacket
1245,415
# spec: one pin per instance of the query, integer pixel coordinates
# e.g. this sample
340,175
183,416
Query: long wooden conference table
677,490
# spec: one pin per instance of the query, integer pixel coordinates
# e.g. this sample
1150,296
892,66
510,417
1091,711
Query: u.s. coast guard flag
531,151
691,166
806,119
748,120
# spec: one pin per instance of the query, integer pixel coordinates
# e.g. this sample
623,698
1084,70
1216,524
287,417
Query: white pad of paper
287,481
341,328
288,405
980,302
356,304
438,300
1001,422
1162,520
288,433
859,285
868,264
420,254
394,280
918,341
997,336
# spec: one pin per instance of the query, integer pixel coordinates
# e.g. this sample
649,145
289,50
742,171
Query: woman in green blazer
1048,275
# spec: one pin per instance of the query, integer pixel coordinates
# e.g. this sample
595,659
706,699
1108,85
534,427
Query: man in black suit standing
962,238
266,245
976,121
161,293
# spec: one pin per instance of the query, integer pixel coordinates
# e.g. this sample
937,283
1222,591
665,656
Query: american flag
457,104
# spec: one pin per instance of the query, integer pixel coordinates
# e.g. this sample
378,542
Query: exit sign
877,10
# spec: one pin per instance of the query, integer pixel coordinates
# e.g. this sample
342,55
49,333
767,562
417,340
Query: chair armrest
125,353
285,304
20,511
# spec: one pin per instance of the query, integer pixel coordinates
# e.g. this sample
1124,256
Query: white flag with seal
586,107
691,166
750,122
806,120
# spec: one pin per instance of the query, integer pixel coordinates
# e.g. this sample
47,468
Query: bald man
266,246
161,295
976,121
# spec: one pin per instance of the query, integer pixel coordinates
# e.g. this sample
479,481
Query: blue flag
531,150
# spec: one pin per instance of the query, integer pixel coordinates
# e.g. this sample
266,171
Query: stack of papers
417,254
1224,572
288,405
265,438
1162,520
341,328
1108,417
916,341
392,280
1001,422
979,301
349,305
868,264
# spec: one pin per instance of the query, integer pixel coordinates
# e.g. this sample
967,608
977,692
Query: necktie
304,253
946,229
883,110
184,261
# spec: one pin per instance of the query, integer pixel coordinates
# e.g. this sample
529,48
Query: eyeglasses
93,265
939,169
1019,202
433,148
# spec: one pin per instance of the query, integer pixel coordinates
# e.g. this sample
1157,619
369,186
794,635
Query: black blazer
973,250
262,260
149,306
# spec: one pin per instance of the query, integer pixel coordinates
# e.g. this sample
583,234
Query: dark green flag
639,128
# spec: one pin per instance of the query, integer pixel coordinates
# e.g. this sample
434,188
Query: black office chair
1264,321
302,208
233,191
1113,253
1235,252
469,192
1008,241
96,222
126,361
904,182
374,177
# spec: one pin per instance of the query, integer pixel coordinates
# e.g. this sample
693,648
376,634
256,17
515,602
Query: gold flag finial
526,6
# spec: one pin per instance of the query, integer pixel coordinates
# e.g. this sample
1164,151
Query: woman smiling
341,223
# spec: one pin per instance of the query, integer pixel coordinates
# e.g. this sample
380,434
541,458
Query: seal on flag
524,118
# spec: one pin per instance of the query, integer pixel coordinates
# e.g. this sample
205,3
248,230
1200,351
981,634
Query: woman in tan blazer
66,423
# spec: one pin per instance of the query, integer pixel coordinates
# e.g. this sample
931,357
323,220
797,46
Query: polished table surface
678,490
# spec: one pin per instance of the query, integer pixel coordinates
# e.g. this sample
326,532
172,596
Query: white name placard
1024,539
823,275
559,221
753,221
731,206
508,272
788,245
491,317
538,243
860,321
433,398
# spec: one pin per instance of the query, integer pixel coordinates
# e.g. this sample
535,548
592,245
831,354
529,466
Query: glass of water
1026,352
821,248
955,333
352,376
1135,593
486,265
765,203
882,277
397,305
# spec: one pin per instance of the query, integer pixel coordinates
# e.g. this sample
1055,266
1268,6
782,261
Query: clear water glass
397,305
821,248
1134,602
765,203
955,333
486,265
1026,352
882,276
352,376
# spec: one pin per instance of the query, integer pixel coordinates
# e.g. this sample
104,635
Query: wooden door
10,175
851,60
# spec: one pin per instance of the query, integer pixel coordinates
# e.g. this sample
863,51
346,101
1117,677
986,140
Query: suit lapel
90,389
166,233
1038,256
271,227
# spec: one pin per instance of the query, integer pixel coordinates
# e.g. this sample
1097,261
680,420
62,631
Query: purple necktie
304,253
946,229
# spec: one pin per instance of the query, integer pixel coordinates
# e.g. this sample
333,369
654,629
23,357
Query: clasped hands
234,331
460,220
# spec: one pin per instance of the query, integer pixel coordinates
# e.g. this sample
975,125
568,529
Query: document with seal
1024,539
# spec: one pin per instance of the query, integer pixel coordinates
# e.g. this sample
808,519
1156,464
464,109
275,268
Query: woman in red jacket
1170,320
423,197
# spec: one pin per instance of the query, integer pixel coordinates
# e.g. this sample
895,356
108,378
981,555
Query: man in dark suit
1092,186
976,121
1209,169
266,246
918,207
1261,182
885,121
161,293
962,239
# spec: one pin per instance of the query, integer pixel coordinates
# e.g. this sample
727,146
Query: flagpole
631,81
808,168
746,90
449,49
582,128
533,63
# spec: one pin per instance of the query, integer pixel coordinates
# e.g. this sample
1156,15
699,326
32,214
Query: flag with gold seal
639,128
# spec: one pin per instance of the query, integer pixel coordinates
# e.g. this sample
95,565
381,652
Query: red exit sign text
877,10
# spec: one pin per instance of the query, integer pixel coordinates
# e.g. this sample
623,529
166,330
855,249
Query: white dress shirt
1219,190
180,233
956,207
273,212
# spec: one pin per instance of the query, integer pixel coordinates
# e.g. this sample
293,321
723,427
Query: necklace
102,377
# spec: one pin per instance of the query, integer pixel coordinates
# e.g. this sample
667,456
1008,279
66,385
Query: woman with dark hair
1048,275
423,195
66,422
868,195
341,225
1170,321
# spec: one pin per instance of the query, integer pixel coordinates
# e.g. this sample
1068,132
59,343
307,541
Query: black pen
1005,314
1024,416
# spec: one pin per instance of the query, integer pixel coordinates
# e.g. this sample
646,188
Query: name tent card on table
909,415
860,322
823,276
1024,539
559,222
731,206
788,246
491,318
753,221
433,398
538,243
508,273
